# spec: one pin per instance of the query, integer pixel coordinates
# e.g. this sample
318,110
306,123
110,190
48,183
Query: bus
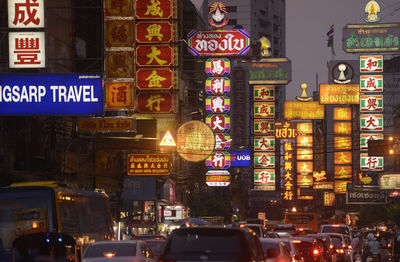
302,220
32,207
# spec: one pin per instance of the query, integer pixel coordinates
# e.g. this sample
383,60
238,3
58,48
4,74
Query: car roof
268,239
303,238
116,242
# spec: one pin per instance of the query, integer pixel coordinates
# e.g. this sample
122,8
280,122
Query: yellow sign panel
304,154
305,167
334,94
342,113
304,141
305,180
341,186
342,172
195,141
304,128
106,124
342,158
303,110
342,128
329,199
342,142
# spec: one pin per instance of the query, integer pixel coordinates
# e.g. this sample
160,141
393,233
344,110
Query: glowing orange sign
342,158
339,94
342,128
342,142
305,180
341,186
305,167
304,154
303,110
304,141
119,95
342,172
305,128
342,113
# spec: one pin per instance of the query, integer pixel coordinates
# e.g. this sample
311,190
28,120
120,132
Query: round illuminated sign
195,141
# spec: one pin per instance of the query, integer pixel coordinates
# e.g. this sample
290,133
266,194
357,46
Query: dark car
156,245
309,248
287,228
275,250
212,244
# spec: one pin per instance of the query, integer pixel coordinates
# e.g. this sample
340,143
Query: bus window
304,220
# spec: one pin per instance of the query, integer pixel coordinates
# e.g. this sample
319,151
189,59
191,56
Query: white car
118,251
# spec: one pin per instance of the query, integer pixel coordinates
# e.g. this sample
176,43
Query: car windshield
271,249
116,249
256,229
333,229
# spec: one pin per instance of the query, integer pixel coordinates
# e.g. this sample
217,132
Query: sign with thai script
371,64
27,49
339,94
218,42
151,9
218,85
342,113
363,197
371,122
148,164
219,160
264,109
218,67
375,38
303,110
155,32
323,185
264,93
218,104
275,71
241,158
106,124
51,94
222,141
155,55
371,163
365,137
264,179
218,178
156,79
264,160
219,123
25,13
264,126
371,103
195,141
371,83
152,102
264,143
119,95
389,181
285,130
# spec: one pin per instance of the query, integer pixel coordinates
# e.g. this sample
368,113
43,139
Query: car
156,245
287,228
270,234
339,245
148,236
275,250
326,244
309,248
212,243
294,252
118,251
257,228
336,228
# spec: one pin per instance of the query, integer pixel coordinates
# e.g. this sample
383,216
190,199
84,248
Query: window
231,9
232,22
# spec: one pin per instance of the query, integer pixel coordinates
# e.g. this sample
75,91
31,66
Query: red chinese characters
155,78
25,14
151,102
155,9
27,49
155,31
119,95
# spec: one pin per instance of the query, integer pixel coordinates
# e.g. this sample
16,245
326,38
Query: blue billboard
51,94
241,158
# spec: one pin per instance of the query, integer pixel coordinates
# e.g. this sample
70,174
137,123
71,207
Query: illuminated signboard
264,179
150,9
319,176
148,165
25,14
264,109
264,160
371,83
371,103
286,130
366,38
218,104
218,42
222,141
342,172
303,110
119,64
269,71
288,170
264,143
371,64
156,79
155,55
364,138
264,126
218,178
305,180
123,8
195,141
155,31
264,93
27,49
218,85
305,167
329,199
304,128
241,158
323,185
152,102
218,67
106,124
219,160
339,94
342,113
304,141
51,94
371,122
218,122
371,163
342,142
342,157
389,181
342,128
341,186
304,154
119,95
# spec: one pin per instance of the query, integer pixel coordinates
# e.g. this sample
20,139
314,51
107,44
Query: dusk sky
308,21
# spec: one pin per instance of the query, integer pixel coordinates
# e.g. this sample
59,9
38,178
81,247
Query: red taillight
331,246
166,260
316,252
109,254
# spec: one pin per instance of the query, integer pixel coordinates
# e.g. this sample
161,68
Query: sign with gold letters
118,8
119,33
155,32
342,128
342,142
119,95
342,158
339,94
119,64
342,113
151,102
342,172
155,55
155,9
303,110
148,165
106,124
156,78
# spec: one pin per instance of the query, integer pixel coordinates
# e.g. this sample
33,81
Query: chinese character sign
218,67
27,49
25,13
156,78
155,32
288,169
371,122
155,9
371,83
119,33
218,122
371,64
119,95
218,104
218,85
219,160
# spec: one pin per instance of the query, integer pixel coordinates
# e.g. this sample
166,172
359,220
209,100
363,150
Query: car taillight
316,252
331,246
109,254
350,247
166,260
